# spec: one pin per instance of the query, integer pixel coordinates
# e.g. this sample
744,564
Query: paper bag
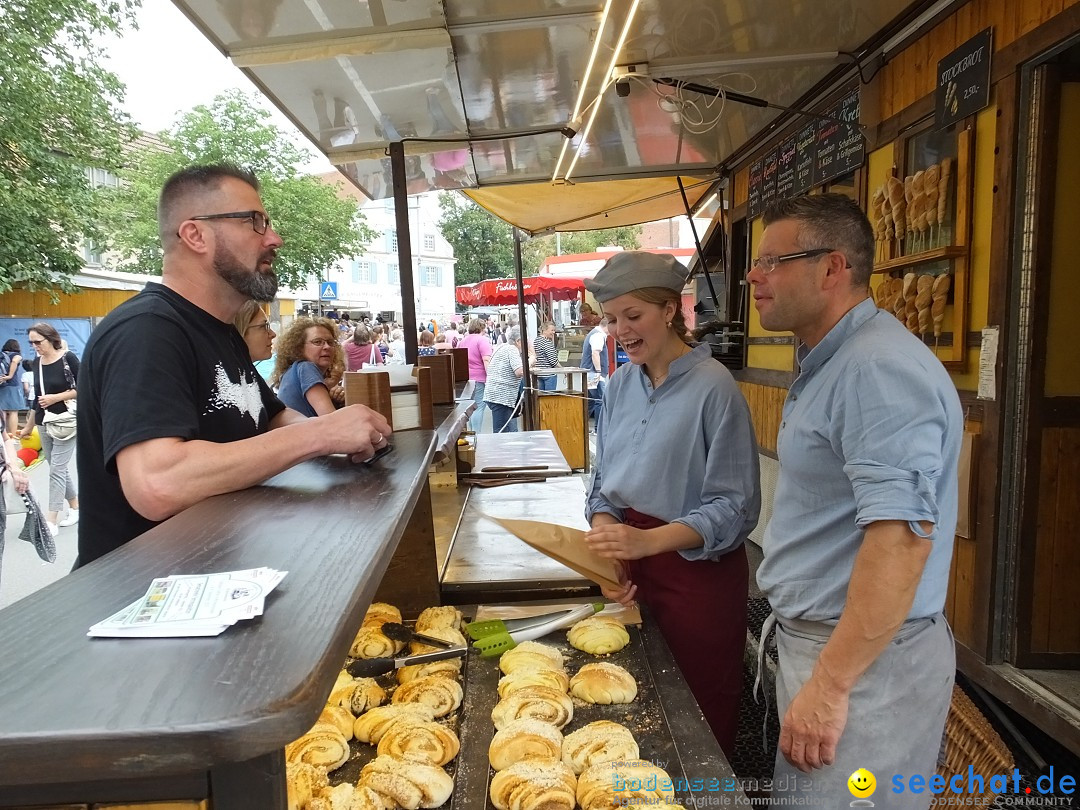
564,545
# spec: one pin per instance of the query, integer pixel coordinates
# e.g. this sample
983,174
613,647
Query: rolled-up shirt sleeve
730,497
894,453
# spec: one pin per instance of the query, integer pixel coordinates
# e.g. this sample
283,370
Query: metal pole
530,398
404,244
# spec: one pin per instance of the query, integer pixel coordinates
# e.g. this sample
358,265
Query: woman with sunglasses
309,365
55,374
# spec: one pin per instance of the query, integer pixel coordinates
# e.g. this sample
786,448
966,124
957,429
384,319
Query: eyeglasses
766,264
265,325
35,342
320,342
259,221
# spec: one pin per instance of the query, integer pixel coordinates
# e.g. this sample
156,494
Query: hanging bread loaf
898,206
603,683
435,618
554,678
943,189
373,724
533,786
525,739
939,293
538,702
598,635
323,746
598,742
642,783
923,300
930,188
530,655
410,783
426,739
443,695
910,315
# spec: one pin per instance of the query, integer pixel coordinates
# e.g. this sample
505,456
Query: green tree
483,244
316,225
59,114
536,250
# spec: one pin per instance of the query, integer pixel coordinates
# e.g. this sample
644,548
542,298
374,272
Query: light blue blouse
684,452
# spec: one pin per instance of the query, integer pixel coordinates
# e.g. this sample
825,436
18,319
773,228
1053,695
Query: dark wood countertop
75,709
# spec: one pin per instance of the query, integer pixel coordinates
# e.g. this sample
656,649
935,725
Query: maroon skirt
700,607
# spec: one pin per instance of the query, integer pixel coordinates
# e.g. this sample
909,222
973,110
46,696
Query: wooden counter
140,719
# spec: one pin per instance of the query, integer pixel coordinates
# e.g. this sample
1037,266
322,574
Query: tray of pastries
574,719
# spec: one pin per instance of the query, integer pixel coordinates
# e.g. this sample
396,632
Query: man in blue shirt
858,549
594,358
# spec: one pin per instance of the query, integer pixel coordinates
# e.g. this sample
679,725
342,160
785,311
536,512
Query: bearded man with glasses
171,409
858,549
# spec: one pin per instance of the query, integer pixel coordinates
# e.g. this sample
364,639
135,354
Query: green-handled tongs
496,636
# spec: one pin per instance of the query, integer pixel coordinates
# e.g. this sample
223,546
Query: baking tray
664,719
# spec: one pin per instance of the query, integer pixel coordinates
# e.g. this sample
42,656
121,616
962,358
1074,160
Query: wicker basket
970,740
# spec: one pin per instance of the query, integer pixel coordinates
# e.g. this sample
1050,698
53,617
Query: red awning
503,291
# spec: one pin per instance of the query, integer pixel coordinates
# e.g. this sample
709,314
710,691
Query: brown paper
967,467
564,545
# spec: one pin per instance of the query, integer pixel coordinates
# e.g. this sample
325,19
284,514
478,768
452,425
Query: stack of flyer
192,605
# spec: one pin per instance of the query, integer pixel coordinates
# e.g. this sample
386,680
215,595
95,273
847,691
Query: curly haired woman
309,366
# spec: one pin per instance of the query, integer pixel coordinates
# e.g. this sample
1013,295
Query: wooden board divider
442,377
372,388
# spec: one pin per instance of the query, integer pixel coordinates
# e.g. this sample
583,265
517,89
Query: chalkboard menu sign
785,169
753,199
839,145
768,179
963,84
805,158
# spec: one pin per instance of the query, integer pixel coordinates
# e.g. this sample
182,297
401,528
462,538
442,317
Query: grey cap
633,270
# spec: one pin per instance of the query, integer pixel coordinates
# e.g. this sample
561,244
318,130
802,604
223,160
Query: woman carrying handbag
55,375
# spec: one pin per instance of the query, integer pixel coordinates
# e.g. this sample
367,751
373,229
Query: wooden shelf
923,257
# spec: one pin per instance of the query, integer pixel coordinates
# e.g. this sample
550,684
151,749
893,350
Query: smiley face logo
862,784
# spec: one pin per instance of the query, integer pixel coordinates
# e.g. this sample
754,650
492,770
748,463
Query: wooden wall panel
766,409
960,603
912,74
86,304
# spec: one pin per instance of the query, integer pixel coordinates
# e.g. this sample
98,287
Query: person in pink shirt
479,356
361,349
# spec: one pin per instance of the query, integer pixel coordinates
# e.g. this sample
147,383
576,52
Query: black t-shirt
57,380
157,367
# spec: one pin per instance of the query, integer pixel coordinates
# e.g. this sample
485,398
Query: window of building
103,177
392,275
391,241
430,276
91,253
429,242
363,272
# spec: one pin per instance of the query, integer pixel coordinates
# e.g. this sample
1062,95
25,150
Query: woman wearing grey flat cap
674,493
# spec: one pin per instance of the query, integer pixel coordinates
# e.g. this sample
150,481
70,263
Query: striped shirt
546,356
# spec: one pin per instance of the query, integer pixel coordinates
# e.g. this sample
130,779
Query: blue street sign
328,290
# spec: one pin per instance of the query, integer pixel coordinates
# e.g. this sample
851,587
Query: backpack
16,378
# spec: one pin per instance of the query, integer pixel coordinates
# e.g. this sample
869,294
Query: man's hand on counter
356,430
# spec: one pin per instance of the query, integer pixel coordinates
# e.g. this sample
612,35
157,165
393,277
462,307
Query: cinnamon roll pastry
357,694
538,702
373,724
409,783
303,781
598,635
445,633
435,618
347,797
533,786
554,678
340,718
380,612
449,668
524,739
443,695
323,746
638,782
371,642
598,742
424,738
530,655
603,683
